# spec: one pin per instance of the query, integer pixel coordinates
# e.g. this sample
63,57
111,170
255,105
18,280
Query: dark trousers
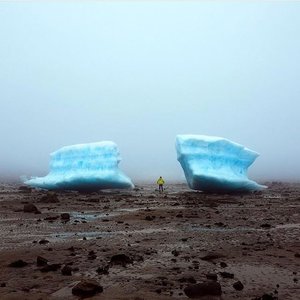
161,187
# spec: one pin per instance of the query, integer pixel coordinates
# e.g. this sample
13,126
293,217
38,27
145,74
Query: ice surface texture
91,166
215,164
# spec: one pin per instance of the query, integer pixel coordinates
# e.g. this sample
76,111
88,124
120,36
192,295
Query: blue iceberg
215,164
88,167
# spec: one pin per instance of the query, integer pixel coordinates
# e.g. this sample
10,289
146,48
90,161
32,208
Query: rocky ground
144,245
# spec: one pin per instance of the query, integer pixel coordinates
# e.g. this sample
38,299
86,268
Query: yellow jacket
160,181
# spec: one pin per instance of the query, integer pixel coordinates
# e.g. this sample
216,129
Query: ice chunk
215,164
91,166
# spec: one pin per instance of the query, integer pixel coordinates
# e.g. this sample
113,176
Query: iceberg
215,164
89,167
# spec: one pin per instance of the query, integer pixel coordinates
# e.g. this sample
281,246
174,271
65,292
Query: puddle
100,234
287,226
93,215
220,229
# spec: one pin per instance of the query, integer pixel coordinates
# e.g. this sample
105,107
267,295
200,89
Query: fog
138,73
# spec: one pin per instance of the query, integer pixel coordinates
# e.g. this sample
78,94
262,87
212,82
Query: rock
103,270
92,255
41,261
220,224
267,297
18,264
120,259
227,275
203,289
50,268
297,255
150,218
50,197
212,276
66,271
52,218
211,256
223,264
2,284
190,279
30,208
43,242
175,252
266,225
87,288
238,286
25,189
65,216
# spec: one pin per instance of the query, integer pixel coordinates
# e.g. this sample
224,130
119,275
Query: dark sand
256,235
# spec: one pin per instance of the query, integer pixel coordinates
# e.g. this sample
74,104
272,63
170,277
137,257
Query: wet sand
171,240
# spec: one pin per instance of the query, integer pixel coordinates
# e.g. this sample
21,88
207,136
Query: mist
139,73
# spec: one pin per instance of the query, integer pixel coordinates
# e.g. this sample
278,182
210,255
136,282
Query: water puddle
100,234
288,226
220,229
93,215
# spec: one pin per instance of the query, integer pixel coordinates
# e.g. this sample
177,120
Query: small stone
65,216
30,208
87,288
43,242
266,225
238,286
120,259
49,268
18,264
212,276
41,261
211,256
66,271
103,270
203,289
190,279
223,264
227,275
50,197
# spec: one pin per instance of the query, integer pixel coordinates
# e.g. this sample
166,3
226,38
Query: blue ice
215,164
92,166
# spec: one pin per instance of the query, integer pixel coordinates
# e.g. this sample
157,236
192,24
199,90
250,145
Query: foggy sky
138,73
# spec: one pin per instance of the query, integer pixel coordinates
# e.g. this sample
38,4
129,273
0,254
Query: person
160,183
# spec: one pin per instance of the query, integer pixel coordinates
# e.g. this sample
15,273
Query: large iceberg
215,164
89,167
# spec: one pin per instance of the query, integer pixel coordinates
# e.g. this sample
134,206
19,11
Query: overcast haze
140,73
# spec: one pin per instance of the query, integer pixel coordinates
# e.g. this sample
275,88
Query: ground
171,240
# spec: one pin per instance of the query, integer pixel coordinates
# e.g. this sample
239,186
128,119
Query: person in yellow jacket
160,183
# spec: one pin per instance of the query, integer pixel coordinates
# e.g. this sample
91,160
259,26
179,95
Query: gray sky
138,73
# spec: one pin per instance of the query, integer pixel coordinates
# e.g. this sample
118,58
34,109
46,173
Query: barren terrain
140,244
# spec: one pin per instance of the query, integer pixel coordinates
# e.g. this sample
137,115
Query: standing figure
160,183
